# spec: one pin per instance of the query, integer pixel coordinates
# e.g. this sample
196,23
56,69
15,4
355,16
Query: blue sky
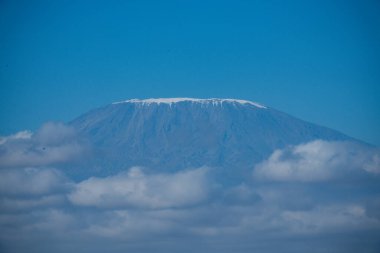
317,60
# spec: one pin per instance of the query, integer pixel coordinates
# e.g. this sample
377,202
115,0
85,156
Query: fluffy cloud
29,188
136,189
31,181
318,161
139,211
41,210
52,143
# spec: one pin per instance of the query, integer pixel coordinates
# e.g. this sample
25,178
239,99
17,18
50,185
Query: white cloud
130,209
318,161
31,181
52,143
137,189
136,208
17,136
328,219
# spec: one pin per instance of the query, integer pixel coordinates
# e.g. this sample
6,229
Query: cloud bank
299,198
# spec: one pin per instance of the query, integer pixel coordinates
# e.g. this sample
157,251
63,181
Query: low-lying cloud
293,200
318,161
31,181
137,189
52,143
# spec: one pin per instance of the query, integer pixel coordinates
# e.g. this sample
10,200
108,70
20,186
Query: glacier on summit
213,101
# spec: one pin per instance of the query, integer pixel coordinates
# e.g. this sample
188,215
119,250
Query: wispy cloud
22,135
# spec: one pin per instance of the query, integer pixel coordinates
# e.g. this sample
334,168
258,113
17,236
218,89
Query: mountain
170,134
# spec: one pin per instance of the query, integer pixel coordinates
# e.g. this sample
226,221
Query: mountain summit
178,133
214,101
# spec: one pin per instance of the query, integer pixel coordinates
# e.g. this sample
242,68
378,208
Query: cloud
241,194
318,161
22,135
30,188
133,224
140,210
52,143
329,219
136,189
31,182
33,225
14,204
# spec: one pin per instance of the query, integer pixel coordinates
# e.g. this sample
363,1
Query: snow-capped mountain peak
180,133
213,101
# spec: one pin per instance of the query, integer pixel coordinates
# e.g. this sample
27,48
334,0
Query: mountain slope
178,133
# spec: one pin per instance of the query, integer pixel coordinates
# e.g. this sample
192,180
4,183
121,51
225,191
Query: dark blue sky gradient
317,60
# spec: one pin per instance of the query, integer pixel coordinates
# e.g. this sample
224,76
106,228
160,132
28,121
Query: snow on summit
214,101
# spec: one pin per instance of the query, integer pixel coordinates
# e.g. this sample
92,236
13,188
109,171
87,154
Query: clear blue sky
317,60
